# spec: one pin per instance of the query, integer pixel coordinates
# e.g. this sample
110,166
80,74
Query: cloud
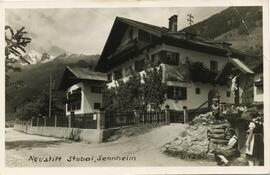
86,30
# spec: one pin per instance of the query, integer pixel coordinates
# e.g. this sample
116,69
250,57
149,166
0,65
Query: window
109,77
198,91
228,94
96,90
213,66
171,58
74,99
118,74
97,105
139,65
177,93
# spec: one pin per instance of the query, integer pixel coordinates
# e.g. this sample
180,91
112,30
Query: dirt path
142,150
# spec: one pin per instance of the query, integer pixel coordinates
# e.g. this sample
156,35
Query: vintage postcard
136,87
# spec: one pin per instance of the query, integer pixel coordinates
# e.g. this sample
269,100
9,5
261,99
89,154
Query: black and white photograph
135,86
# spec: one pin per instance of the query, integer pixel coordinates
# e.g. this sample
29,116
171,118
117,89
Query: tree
14,48
38,107
133,94
153,88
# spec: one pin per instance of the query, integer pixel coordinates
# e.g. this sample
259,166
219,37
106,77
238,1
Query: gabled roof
179,39
236,62
144,26
233,62
86,74
76,74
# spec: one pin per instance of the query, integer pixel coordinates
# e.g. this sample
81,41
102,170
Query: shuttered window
170,58
177,93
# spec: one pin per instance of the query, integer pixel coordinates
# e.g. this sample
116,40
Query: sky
85,31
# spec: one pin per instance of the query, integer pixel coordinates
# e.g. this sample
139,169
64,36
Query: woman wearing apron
254,143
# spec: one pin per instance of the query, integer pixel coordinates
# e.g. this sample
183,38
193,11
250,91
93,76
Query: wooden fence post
37,121
167,115
45,121
70,119
185,115
55,120
101,120
137,116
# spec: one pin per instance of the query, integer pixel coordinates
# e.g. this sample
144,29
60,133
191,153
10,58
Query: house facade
132,45
258,86
83,91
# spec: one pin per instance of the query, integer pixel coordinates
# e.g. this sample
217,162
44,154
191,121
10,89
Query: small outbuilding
83,90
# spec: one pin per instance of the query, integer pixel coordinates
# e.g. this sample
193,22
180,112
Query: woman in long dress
254,143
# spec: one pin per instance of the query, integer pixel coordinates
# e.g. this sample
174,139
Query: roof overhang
232,66
73,76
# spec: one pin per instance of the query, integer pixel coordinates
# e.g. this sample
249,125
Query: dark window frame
77,97
97,107
176,93
110,77
213,66
198,90
228,93
169,57
118,74
96,89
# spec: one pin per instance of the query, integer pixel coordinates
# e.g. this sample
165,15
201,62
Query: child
224,154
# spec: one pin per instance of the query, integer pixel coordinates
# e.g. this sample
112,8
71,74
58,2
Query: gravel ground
23,150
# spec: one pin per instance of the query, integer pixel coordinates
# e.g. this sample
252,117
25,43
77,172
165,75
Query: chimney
173,23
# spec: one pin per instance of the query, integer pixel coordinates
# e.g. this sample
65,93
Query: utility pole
190,19
50,96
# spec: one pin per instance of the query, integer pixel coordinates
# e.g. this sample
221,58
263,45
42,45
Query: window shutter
183,93
170,92
162,56
176,59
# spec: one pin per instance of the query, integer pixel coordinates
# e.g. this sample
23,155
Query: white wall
195,100
195,56
258,91
88,98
